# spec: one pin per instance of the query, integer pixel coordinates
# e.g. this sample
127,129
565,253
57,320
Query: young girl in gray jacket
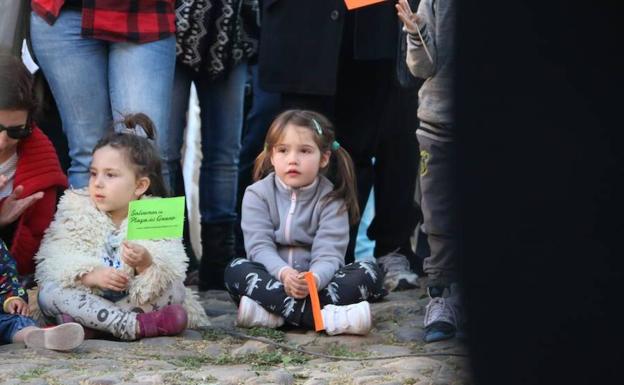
295,219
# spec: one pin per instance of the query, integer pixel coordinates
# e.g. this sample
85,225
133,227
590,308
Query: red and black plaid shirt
138,21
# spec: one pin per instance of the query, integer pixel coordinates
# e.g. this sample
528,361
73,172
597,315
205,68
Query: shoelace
439,310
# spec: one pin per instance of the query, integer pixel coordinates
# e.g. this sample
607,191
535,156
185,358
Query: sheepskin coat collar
72,247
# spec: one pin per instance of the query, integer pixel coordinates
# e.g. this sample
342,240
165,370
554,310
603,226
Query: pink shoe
89,334
63,337
168,321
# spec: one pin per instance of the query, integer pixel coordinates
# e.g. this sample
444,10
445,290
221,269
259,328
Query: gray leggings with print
95,312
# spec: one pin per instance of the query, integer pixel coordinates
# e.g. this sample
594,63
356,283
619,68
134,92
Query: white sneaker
251,314
63,337
347,319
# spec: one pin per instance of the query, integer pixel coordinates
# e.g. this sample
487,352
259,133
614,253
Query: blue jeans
264,108
95,81
221,115
10,324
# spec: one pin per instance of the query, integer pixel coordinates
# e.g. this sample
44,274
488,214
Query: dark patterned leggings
355,282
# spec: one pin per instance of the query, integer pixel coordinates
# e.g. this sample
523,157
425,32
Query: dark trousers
439,202
358,281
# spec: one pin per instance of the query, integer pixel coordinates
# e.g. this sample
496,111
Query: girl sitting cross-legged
89,274
296,219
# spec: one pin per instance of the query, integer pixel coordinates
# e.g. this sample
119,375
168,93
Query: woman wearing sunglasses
30,172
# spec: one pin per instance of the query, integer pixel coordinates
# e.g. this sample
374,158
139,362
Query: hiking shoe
89,334
398,275
63,337
252,314
347,319
442,314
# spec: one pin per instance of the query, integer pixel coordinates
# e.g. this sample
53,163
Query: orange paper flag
353,4
316,304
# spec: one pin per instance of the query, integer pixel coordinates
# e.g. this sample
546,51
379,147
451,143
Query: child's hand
18,306
136,256
106,278
409,19
294,284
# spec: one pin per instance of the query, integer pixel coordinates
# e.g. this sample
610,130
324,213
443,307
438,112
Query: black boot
217,252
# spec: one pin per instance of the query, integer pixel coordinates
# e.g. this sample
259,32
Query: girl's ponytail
345,182
262,164
139,120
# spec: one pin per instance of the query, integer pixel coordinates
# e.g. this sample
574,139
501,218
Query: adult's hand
14,206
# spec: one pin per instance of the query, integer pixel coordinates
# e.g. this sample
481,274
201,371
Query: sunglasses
17,132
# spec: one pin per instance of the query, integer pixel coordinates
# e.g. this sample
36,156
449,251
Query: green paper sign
156,218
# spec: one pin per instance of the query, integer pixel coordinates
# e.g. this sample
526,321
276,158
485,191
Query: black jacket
302,42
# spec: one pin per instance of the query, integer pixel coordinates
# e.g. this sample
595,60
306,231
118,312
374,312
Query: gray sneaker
442,315
398,275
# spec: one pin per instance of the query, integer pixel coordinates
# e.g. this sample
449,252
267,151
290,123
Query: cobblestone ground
213,356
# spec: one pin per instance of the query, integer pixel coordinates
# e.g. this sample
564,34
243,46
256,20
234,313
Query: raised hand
410,20
14,206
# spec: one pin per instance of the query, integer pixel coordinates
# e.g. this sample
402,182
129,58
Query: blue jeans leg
11,324
94,80
265,106
170,141
141,80
221,104
77,72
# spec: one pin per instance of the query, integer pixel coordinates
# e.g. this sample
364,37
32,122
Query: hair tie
317,126
266,146
137,130
335,145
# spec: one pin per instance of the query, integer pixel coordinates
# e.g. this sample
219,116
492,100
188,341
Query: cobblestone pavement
213,356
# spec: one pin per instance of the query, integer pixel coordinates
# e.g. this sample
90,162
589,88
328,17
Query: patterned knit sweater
212,36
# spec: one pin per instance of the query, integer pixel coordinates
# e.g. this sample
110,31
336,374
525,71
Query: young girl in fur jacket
87,273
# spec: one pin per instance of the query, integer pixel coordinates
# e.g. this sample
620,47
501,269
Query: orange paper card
353,4
316,305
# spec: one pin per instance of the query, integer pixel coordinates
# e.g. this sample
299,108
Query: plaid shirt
137,21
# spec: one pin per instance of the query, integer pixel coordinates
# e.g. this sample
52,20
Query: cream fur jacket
72,247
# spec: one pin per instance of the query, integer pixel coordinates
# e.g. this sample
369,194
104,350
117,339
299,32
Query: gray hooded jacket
295,227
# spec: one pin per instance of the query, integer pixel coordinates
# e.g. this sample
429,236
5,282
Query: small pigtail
139,122
345,182
262,164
